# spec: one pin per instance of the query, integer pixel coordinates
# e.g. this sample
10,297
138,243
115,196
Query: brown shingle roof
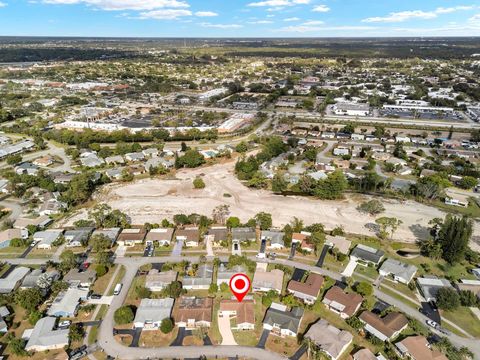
245,310
388,325
199,309
417,347
311,286
132,234
350,301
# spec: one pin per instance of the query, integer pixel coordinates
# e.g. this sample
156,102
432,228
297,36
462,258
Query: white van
117,289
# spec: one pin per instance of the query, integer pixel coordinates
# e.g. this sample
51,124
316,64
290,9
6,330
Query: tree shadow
420,231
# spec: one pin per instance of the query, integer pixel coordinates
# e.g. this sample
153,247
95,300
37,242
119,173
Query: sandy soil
151,200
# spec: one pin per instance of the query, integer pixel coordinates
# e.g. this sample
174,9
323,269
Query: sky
239,18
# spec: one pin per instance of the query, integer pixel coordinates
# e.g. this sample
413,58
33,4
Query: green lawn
118,279
465,319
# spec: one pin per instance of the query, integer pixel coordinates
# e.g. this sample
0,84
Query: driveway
209,246
26,252
136,337
299,353
226,331
348,272
177,248
263,339
430,312
104,300
321,259
182,333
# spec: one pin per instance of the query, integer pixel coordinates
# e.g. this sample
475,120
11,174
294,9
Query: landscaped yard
156,338
101,283
118,279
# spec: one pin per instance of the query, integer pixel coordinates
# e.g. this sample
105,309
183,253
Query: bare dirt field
151,200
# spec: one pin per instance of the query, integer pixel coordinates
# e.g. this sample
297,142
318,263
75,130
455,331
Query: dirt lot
151,200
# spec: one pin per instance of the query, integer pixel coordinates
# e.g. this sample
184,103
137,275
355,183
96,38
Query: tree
468,298
233,222
124,315
101,270
29,299
279,184
468,182
14,159
387,223
100,242
76,333
191,159
264,220
198,183
372,207
17,346
220,213
241,147
332,187
454,236
354,322
447,299
166,325
104,258
34,316
213,288
68,260
364,288
173,290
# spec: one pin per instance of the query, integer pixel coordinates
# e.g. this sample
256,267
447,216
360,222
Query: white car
64,324
432,324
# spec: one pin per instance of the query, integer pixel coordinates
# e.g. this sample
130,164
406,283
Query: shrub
124,315
101,270
198,183
166,326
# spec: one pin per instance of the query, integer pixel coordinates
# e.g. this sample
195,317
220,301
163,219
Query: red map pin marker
239,286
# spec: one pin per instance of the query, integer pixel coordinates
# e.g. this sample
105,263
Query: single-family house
193,312
157,281
151,312
342,303
282,322
131,237
418,348
109,233
45,337
264,281
274,239
244,234
386,328
224,274
67,302
201,280
135,156
45,239
8,235
400,271
429,286
160,236
338,242
243,312
308,290
13,280
329,339
367,254
78,237
217,234
80,279
189,235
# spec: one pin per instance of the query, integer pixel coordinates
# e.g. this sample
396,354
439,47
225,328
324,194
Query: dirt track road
152,200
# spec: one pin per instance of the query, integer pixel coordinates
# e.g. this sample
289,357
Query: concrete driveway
348,272
226,331
104,300
177,248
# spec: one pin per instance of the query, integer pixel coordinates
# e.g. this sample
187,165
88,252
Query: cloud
321,8
221,26
206,13
125,4
305,28
402,16
2,4
279,3
292,19
165,14
259,22
313,22
475,18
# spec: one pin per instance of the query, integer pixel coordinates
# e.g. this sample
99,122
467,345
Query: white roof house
151,312
44,337
401,272
46,238
13,280
429,286
66,303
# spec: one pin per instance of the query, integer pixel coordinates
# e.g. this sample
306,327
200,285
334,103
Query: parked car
64,324
432,324
95,296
